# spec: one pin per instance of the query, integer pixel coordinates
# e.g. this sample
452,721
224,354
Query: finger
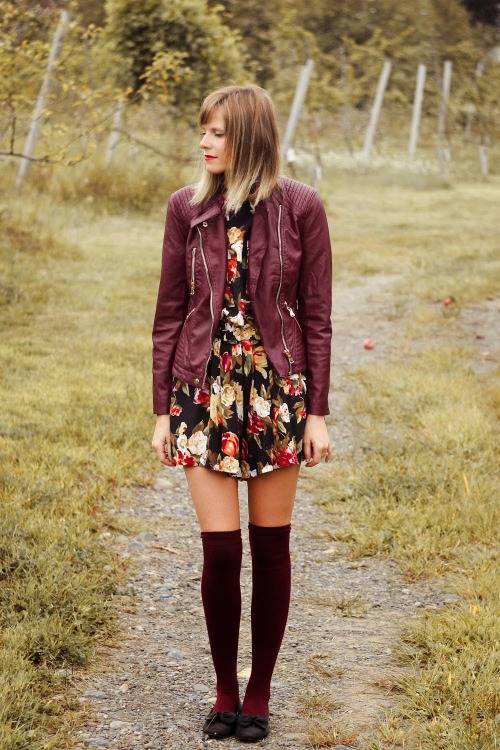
312,460
307,451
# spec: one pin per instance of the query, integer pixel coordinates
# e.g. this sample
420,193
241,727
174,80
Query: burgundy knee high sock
221,595
271,580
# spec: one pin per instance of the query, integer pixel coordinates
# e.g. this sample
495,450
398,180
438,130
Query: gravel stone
97,742
98,694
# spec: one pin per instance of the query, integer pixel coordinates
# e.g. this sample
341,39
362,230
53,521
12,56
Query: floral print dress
248,420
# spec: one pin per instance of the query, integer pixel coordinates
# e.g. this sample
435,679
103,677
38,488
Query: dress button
196,381
205,224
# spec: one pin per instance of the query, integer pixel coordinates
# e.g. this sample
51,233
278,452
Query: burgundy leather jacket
289,283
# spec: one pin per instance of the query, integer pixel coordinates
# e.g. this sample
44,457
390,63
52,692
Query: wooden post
484,160
375,113
115,133
346,120
442,145
417,109
298,101
40,102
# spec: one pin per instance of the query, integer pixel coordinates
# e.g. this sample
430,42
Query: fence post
417,109
484,161
298,101
40,102
442,147
115,133
375,112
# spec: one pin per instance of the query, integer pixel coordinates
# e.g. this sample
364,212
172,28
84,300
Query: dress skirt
247,422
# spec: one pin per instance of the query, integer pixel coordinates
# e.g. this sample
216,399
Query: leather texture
289,283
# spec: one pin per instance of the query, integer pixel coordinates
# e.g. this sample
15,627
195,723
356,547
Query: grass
77,294
424,491
76,306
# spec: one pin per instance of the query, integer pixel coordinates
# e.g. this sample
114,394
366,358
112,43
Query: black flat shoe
220,724
251,728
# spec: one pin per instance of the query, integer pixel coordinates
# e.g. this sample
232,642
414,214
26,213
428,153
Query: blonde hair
252,142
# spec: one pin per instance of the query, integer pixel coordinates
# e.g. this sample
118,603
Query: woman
241,371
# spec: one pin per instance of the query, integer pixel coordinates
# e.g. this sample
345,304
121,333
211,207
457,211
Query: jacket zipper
292,314
187,317
211,299
193,257
285,347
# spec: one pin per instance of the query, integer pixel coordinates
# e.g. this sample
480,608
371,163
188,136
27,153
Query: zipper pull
193,255
290,310
290,360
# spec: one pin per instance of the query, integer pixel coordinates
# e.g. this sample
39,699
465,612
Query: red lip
208,157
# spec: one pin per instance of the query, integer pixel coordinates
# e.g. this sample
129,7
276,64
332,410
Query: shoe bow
245,720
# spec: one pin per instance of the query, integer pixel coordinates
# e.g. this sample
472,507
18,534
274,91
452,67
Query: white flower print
261,406
229,464
182,442
197,443
227,395
284,413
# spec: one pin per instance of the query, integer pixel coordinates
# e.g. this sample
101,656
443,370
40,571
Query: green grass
424,491
76,307
77,296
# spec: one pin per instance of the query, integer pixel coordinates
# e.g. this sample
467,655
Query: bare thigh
271,497
215,498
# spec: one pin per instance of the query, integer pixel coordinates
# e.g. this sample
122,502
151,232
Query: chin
212,169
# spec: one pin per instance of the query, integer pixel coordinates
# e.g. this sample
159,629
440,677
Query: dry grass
75,313
424,492
76,303
331,733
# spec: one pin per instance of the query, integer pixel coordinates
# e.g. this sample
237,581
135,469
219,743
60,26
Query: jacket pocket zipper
193,257
211,301
187,317
287,351
292,314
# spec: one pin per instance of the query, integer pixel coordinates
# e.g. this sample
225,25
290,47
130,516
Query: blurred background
127,77
98,110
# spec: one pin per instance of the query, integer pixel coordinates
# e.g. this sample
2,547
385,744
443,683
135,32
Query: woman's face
213,144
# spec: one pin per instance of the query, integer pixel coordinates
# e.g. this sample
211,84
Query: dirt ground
153,690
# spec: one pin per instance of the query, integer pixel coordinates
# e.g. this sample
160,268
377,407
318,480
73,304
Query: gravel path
153,690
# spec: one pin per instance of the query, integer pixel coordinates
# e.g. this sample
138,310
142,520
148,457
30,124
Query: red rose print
287,456
276,413
185,459
243,305
246,346
175,410
230,443
226,361
201,397
255,423
228,295
231,268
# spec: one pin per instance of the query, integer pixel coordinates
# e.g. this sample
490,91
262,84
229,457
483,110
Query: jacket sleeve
315,303
171,306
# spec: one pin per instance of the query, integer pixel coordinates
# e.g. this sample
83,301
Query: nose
204,141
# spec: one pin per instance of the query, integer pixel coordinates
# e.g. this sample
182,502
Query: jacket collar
208,210
215,205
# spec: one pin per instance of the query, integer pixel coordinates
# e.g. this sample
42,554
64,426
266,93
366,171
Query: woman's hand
316,440
161,440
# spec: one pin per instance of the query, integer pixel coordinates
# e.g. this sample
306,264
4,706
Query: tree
184,41
484,11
